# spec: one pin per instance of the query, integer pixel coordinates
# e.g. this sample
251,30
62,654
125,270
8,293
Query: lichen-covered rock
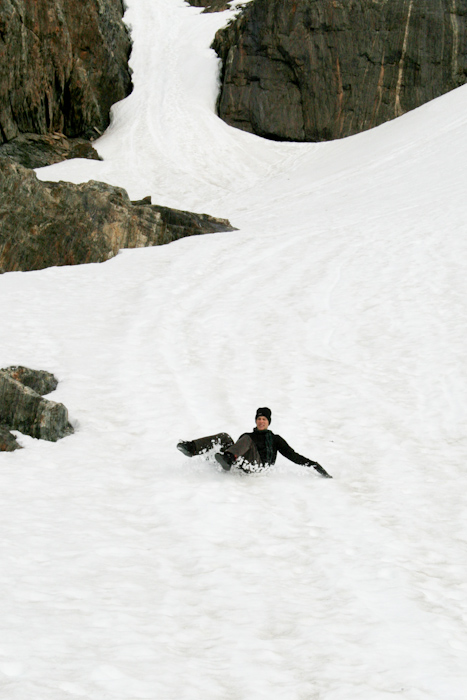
44,224
63,64
313,70
37,151
23,409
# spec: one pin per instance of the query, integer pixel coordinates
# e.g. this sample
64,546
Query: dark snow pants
244,447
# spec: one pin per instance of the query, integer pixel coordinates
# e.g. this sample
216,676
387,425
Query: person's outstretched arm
284,448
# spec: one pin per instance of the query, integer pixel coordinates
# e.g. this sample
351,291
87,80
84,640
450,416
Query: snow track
132,573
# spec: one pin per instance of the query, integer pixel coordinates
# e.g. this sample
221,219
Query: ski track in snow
130,572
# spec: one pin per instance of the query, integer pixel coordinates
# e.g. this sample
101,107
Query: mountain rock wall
43,224
62,65
316,70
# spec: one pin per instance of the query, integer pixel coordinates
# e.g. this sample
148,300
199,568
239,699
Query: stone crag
44,224
62,66
314,70
23,408
211,5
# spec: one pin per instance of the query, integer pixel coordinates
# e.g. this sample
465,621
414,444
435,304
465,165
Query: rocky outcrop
314,70
43,224
35,151
62,65
211,5
36,379
23,408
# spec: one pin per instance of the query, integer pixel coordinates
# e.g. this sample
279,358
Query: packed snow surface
130,572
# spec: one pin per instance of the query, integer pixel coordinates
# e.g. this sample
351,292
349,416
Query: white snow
130,572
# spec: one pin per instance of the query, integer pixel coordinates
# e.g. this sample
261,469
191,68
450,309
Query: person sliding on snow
252,451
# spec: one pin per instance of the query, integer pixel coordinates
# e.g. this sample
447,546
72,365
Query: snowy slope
130,572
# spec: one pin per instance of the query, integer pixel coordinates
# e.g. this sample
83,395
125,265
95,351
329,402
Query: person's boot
225,459
187,448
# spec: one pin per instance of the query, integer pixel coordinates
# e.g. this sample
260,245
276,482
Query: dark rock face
34,151
211,5
43,224
23,408
62,65
314,70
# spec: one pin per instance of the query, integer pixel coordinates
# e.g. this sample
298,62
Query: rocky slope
62,66
59,223
312,70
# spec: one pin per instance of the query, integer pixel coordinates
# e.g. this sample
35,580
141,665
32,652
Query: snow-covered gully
130,572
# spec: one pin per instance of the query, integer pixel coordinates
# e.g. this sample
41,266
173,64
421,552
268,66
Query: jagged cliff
62,65
313,70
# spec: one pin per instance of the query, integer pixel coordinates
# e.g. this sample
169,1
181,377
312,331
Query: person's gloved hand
320,470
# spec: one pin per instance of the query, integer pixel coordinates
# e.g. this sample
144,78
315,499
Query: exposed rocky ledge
211,5
314,70
23,408
45,224
37,151
63,64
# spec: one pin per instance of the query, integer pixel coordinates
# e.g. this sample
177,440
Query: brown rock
43,224
62,65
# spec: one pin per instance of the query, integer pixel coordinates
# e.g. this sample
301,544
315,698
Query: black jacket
278,445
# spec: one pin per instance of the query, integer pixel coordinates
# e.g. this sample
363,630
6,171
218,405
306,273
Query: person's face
262,423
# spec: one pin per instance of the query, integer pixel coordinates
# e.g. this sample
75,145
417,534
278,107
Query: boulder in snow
24,408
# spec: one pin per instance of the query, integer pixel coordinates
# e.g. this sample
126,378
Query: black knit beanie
266,412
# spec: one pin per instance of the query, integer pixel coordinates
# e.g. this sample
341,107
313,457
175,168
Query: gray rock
63,64
44,224
36,379
314,70
23,409
37,151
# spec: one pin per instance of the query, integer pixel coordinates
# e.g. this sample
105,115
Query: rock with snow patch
23,409
46,224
